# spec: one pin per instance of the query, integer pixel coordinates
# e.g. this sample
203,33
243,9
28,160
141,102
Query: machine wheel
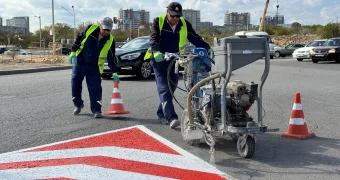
315,61
299,59
184,122
246,146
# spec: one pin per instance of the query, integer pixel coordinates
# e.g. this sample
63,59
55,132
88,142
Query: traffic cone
297,127
116,106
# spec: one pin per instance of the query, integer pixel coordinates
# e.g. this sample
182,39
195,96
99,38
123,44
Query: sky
303,11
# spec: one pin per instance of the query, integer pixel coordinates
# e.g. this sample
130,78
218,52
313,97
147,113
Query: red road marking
131,138
119,164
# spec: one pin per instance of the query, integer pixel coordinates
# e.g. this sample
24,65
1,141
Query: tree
3,37
281,31
63,31
330,30
296,27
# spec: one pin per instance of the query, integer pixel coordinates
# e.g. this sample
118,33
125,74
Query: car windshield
137,43
332,42
315,44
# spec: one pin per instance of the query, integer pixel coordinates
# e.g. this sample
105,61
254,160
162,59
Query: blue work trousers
93,81
166,108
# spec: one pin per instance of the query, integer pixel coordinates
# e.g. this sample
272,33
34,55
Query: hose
169,80
192,91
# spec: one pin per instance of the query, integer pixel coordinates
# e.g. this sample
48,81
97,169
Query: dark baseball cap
175,8
107,23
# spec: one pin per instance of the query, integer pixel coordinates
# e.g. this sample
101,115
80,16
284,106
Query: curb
42,69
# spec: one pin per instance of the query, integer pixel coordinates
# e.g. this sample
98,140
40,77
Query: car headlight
130,56
331,51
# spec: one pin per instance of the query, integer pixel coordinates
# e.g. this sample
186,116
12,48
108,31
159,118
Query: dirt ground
285,40
31,61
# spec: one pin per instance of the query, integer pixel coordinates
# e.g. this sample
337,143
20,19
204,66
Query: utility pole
53,27
39,28
130,19
74,21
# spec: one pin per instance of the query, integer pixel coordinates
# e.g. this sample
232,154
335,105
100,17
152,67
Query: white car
304,53
18,51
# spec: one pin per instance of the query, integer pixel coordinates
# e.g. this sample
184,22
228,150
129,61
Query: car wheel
271,57
277,54
315,61
144,71
337,60
299,59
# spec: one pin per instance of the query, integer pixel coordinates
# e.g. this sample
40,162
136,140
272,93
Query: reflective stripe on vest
103,53
183,33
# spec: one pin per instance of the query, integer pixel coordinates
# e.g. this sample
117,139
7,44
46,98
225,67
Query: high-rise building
193,16
205,24
22,22
274,20
236,18
135,19
0,21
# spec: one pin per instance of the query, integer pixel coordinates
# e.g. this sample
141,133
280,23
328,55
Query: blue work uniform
168,41
87,66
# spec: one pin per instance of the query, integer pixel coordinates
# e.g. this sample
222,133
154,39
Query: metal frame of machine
193,129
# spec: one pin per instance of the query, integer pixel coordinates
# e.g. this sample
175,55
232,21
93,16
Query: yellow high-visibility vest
103,52
183,34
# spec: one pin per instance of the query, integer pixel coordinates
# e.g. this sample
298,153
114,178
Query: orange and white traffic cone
297,127
116,106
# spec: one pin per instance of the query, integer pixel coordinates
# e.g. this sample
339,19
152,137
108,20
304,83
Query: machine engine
241,97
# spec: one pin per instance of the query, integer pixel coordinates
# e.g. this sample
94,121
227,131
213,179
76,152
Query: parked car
2,50
17,51
330,51
130,59
287,50
304,53
66,51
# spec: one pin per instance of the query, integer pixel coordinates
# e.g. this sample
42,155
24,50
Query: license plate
299,55
319,55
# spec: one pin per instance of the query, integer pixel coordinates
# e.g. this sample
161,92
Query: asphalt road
36,109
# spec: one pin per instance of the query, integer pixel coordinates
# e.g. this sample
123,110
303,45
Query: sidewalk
42,68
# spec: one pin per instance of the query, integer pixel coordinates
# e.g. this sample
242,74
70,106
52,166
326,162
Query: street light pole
74,21
53,27
39,28
74,24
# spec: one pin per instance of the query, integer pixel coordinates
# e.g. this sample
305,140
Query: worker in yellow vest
169,35
92,48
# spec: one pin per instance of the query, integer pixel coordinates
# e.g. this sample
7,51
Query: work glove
158,56
115,77
72,58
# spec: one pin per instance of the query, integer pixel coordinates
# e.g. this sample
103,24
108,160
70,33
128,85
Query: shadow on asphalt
284,153
134,78
130,119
